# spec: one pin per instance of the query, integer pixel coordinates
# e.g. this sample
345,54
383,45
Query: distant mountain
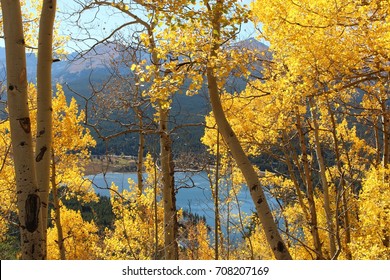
78,67
97,59
253,44
94,67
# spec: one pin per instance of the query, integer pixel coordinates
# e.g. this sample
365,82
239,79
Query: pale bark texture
309,191
28,197
288,150
140,156
386,130
171,249
169,199
324,180
270,227
342,188
57,210
44,106
215,194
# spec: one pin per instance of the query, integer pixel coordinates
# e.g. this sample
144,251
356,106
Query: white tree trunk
57,209
324,180
313,223
28,198
269,225
44,106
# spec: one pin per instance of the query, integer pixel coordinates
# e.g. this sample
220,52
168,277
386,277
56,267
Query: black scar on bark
280,247
25,124
42,152
41,132
260,201
32,207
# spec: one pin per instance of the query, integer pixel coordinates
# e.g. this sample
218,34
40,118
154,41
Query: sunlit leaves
80,237
71,145
31,13
134,234
70,148
372,233
7,183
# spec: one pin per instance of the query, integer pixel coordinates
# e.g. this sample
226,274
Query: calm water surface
193,194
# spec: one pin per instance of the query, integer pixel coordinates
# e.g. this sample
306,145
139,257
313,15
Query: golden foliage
372,232
80,237
134,234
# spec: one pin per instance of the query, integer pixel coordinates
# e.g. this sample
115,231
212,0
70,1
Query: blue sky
107,22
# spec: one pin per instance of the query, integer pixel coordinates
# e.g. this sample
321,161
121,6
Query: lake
196,199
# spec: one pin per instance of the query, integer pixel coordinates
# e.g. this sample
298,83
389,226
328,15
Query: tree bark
386,131
270,227
310,192
293,178
167,167
324,180
44,107
343,185
171,248
28,197
215,194
57,210
140,156
156,254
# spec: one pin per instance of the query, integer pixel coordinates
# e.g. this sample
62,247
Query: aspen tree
270,228
161,98
28,196
44,105
309,189
324,180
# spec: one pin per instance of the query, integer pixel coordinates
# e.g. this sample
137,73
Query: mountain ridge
77,72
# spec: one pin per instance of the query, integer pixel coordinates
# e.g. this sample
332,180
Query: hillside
78,74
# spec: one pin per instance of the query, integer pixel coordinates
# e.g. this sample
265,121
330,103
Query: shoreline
120,164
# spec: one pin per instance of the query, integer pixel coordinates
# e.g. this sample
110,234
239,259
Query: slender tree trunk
216,201
324,180
376,122
140,156
228,223
28,197
57,210
171,248
269,225
294,178
44,107
310,192
386,132
156,254
218,250
167,166
273,237
343,185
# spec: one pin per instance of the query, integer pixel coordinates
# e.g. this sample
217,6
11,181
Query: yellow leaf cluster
71,142
197,244
80,237
31,13
372,233
7,189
